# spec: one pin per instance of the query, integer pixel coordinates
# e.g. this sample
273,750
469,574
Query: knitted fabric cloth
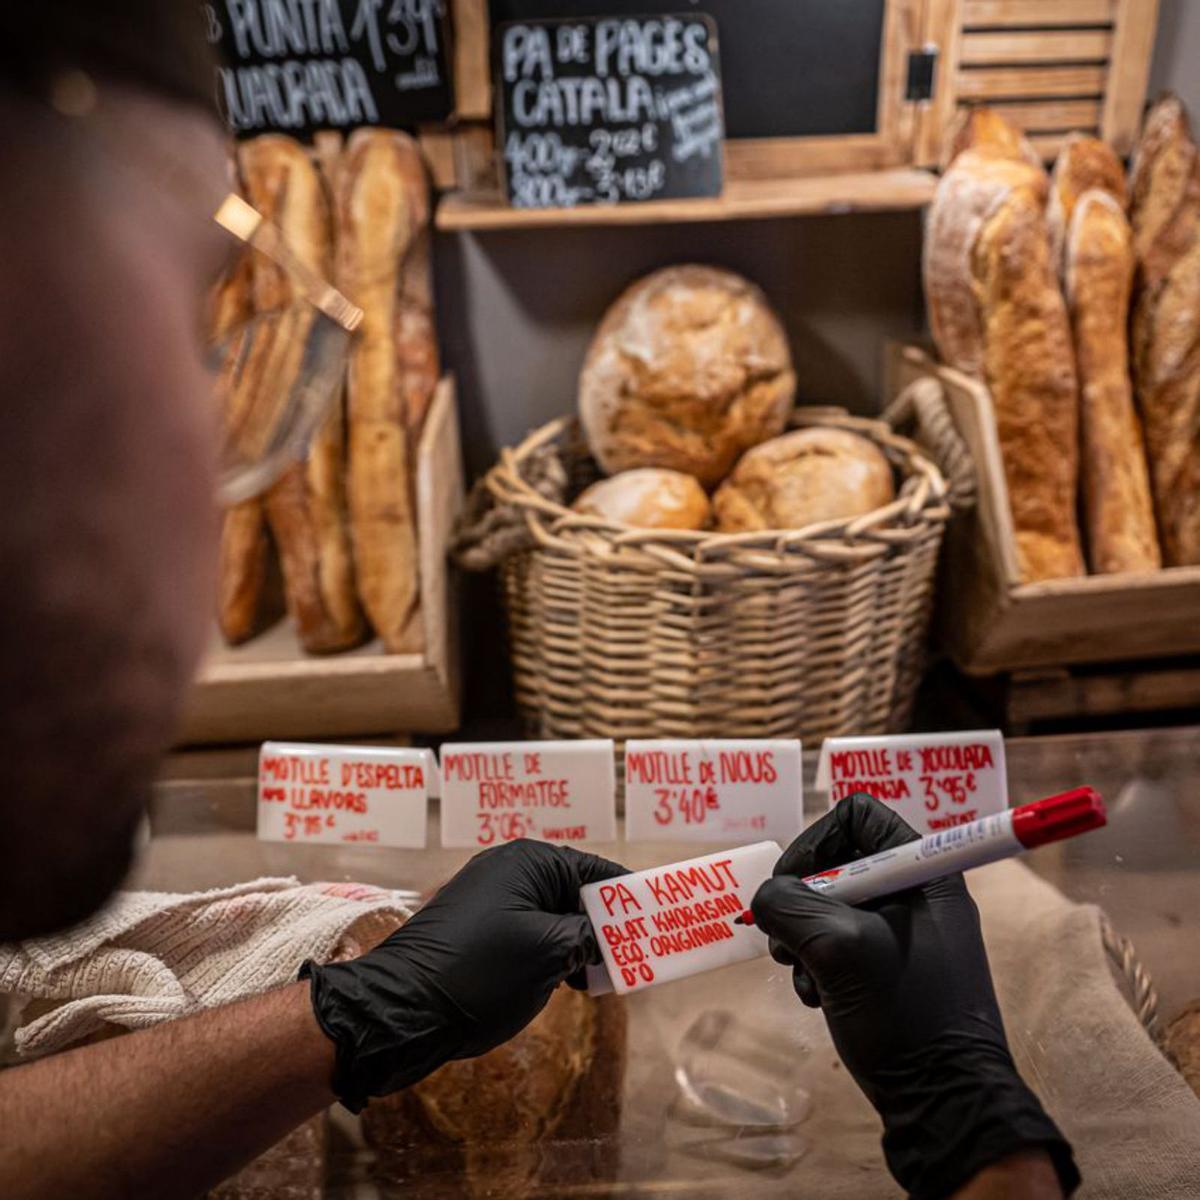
154,956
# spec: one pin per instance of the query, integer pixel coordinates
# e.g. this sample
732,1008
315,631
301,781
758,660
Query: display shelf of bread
334,610
1066,313
677,562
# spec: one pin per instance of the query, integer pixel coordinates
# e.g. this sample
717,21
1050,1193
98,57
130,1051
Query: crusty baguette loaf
306,507
1083,164
383,266
1119,514
997,313
1166,323
968,195
985,130
242,605
1166,220
1029,364
1162,186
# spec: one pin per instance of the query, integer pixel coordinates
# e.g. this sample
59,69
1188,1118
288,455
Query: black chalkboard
295,66
790,68
609,110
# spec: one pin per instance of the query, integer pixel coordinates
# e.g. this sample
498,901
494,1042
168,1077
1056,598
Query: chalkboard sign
299,65
791,68
609,110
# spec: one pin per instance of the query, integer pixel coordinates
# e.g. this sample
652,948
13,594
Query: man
106,553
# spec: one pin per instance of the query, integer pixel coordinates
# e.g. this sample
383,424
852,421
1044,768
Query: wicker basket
626,633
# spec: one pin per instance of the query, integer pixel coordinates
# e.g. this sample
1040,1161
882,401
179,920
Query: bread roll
1084,164
383,266
1166,323
1097,262
997,313
648,498
801,478
306,507
559,1077
480,1126
1182,1044
689,368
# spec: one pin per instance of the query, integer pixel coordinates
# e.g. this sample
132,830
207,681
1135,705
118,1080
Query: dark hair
159,44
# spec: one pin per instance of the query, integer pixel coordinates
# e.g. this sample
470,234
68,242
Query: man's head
107,447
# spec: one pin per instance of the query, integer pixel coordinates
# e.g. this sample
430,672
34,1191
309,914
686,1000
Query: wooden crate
270,688
992,622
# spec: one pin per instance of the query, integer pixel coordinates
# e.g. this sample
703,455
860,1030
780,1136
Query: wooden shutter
1051,66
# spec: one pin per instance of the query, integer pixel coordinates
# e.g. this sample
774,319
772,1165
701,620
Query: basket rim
916,505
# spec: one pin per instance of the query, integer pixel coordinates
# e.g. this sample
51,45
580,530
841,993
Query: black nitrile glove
467,972
907,994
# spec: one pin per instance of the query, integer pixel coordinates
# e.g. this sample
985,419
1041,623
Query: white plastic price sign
495,792
725,790
670,922
341,794
935,781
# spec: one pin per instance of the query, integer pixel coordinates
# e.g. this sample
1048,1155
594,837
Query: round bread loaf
688,369
801,478
648,498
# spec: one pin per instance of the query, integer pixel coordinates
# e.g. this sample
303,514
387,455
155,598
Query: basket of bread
692,556
1065,308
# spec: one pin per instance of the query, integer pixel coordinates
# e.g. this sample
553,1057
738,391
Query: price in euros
692,804
955,788
502,827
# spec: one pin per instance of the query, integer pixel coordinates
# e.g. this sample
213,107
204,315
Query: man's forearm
166,1112
1022,1177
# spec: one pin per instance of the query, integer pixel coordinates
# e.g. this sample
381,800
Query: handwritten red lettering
977,756
478,766
392,776
863,764
612,894
745,766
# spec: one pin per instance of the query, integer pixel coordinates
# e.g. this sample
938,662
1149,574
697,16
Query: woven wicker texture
624,633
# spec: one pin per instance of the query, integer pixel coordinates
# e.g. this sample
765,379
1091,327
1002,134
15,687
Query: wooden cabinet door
1051,66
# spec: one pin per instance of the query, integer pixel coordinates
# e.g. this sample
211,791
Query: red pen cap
1058,817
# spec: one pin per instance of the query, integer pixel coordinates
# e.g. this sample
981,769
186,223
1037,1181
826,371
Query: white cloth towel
153,956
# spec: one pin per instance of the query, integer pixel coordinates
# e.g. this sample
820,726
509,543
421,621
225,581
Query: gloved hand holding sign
907,993
468,972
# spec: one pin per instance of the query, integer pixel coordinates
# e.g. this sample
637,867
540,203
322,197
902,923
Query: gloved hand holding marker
958,849
890,949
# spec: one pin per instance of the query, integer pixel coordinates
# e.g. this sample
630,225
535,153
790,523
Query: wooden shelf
874,191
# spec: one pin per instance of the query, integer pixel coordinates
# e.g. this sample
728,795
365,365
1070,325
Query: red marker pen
960,848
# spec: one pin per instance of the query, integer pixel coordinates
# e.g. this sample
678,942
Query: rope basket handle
490,529
1142,992
921,407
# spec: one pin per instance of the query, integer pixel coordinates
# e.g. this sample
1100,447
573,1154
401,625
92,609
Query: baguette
242,607
383,267
1118,509
1166,323
1030,369
306,507
992,164
997,313
985,131
1084,164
